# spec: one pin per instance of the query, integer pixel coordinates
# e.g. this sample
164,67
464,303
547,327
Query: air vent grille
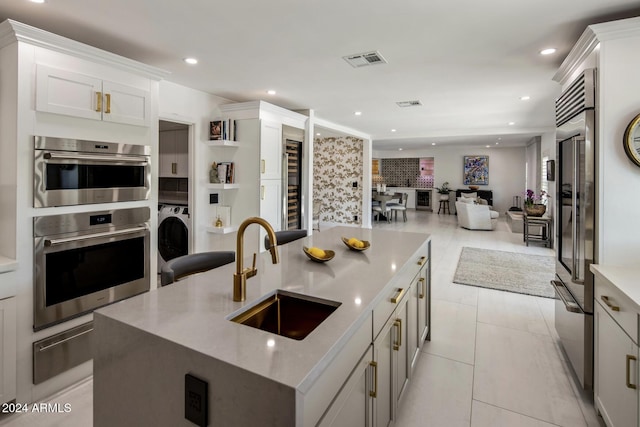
579,96
405,104
365,59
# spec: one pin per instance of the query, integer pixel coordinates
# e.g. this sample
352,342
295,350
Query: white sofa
476,217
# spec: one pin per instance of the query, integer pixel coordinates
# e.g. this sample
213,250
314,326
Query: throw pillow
473,195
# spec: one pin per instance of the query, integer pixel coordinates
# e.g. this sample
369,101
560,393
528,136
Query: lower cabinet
371,394
616,371
353,405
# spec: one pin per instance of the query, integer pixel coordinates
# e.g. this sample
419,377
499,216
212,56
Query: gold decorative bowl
367,245
328,255
474,187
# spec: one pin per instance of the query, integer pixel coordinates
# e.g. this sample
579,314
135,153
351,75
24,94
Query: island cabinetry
616,356
70,93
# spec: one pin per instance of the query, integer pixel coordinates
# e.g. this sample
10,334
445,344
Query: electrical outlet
355,184
355,217
213,198
196,400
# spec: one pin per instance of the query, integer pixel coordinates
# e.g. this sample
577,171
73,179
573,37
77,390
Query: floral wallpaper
337,164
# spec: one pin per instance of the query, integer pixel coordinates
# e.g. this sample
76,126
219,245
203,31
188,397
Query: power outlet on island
196,400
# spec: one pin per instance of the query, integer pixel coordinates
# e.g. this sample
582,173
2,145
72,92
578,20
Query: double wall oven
77,172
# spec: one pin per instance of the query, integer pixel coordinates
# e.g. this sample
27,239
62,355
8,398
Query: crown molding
592,36
12,31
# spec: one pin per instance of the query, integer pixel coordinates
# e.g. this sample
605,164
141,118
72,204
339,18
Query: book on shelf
215,130
226,173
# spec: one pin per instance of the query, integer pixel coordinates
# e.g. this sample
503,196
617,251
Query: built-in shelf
223,143
223,186
221,230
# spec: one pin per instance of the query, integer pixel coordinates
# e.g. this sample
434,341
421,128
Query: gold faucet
242,274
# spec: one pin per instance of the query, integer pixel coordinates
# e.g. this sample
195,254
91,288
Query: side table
538,229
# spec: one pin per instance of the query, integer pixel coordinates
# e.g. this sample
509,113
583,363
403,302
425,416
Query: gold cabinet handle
374,392
108,109
398,296
629,359
421,292
99,102
174,167
263,165
422,260
609,303
398,343
262,192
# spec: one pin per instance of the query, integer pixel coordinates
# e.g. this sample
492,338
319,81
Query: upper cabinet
65,92
270,150
174,153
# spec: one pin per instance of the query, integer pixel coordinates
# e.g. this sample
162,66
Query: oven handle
96,158
54,242
571,306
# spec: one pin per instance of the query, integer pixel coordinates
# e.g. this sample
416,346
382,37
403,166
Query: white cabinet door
73,94
384,401
271,202
352,406
68,93
405,325
616,372
174,153
125,104
8,345
270,150
424,303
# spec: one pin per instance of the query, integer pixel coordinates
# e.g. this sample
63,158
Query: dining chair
377,211
402,206
183,266
285,236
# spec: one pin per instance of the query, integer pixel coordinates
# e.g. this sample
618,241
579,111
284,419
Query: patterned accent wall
337,164
404,172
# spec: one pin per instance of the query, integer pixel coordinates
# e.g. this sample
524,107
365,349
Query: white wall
619,178
506,169
193,107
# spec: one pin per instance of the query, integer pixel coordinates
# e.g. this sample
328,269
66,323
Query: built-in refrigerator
576,223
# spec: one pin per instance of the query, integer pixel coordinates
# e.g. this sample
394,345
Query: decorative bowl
367,245
328,255
474,187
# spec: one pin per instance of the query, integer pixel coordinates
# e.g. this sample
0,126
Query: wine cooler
293,214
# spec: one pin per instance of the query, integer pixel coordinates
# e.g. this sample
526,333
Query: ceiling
467,61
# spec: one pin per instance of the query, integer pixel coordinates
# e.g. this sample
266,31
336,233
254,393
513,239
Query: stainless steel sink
288,314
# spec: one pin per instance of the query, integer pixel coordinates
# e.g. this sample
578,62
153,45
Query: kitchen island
145,345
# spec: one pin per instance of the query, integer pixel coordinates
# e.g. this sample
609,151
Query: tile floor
493,359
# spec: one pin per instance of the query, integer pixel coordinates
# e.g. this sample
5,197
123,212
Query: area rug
506,271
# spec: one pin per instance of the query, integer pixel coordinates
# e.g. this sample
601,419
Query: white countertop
194,312
7,264
623,277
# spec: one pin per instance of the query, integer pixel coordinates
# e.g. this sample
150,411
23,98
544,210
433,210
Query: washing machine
174,224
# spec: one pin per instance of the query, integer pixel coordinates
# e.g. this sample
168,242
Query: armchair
476,217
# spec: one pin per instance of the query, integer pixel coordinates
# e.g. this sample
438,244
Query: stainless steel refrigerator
576,223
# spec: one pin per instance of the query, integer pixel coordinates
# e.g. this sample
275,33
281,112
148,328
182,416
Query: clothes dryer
174,225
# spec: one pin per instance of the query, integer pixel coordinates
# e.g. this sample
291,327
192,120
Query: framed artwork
215,130
475,170
551,170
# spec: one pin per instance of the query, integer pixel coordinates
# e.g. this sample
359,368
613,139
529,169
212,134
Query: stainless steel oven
78,172
86,260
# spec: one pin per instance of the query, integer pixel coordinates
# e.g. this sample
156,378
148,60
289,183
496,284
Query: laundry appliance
174,226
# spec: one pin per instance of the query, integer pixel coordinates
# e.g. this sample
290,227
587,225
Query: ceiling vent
364,59
405,104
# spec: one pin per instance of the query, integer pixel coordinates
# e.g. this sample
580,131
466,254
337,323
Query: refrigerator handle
565,296
577,218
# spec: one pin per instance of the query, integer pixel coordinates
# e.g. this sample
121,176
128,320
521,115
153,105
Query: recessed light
37,1
393,130
525,98
512,123
358,113
191,61
548,51
488,146
497,143
271,92
399,149
433,143
318,134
